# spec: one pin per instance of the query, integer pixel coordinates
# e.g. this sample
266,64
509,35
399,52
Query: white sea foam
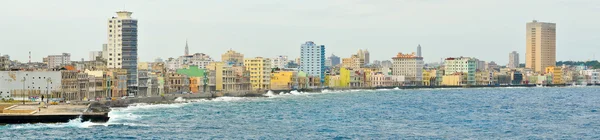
269,94
356,90
138,106
227,99
397,88
179,99
74,123
117,115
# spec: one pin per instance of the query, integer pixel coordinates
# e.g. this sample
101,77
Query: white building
410,66
513,60
55,61
200,60
312,59
279,62
94,54
4,62
594,76
13,83
464,65
122,49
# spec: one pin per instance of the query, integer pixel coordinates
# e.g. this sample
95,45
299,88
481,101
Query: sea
474,113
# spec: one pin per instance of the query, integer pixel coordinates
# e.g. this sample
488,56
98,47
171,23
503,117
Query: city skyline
383,35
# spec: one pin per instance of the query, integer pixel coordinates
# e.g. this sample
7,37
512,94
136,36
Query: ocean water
487,113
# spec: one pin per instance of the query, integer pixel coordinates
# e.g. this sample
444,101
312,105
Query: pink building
379,79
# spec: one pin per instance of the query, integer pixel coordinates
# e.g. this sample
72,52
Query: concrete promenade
32,112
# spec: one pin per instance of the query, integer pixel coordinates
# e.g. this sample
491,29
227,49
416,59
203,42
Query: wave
227,99
74,123
179,99
270,94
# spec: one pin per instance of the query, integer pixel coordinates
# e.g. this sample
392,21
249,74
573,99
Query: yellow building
227,77
426,77
232,57
195,84
327,80
345,77
283,80
454,80
557,74
354,62
260,72
334,81
217,69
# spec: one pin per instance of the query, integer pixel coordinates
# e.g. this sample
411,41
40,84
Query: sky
485,29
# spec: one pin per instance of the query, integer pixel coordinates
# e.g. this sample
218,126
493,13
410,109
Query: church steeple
187,49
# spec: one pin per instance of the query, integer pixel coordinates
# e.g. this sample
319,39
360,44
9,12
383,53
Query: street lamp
48,81
23,92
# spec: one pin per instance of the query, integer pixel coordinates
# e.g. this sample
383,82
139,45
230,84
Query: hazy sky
486,29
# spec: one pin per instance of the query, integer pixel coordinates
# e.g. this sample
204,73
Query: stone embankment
171,98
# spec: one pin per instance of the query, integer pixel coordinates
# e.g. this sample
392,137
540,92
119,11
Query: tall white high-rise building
312,59
513,60
122,49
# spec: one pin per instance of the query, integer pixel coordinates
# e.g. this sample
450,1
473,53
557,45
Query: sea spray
179,99
74,123
269,94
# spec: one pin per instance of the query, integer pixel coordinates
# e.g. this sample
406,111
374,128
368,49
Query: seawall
52,118
170,98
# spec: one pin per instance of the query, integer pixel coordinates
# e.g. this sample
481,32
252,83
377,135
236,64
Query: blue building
312,60
335,60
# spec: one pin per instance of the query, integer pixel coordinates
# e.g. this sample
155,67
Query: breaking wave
74,123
